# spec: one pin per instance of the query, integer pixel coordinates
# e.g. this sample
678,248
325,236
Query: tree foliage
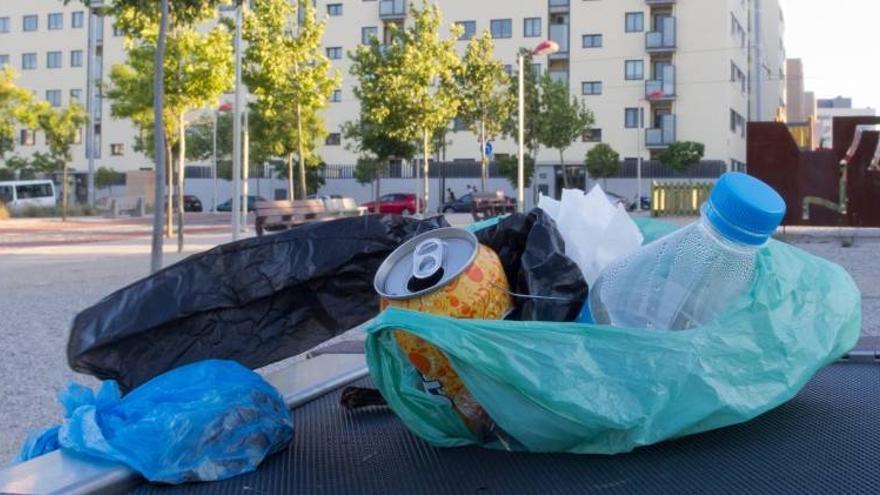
481,90
17,108
507,167
285,67
564,119
682,155
531,106
602,161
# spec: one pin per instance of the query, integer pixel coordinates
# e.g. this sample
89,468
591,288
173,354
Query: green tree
531,107
375,148
144,20
564,119
62,127
682,155
285,67
602,162
197,69
107,177
507,167
16,109
481,91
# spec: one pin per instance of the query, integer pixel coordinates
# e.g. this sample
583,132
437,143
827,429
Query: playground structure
830,187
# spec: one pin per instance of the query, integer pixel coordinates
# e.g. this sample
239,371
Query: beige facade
685,64
795,102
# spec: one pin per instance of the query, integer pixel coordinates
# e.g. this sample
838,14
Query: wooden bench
282,215
344,207
487,205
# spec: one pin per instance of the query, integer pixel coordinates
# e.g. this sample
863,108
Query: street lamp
545,47
236,125
224,107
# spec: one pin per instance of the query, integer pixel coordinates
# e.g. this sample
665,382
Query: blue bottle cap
744,209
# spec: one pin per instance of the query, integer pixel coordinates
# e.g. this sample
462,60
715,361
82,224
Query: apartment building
652,71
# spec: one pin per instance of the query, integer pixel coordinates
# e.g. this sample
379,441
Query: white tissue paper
596,232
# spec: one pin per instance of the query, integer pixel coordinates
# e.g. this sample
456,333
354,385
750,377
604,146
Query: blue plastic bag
205,421
570,387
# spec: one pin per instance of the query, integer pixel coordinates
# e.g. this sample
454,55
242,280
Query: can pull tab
427,269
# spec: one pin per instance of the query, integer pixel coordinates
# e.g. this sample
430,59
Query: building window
76,58
336,97
76,19
4,24
501,28
367,33
737,123
56,21
630,118
334,9
53,60
591,87
592,136
29,23
76,95
333,139
27,137
469,29
591,40
532,27
4,60
117,149
53,96
117,31
634,70
28,61
334,52
635,22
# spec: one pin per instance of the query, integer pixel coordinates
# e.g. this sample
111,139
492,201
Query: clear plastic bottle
695,274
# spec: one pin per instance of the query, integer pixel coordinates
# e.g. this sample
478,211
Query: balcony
559,34
392,9
662,136
662,89
660,2
662,39
556,6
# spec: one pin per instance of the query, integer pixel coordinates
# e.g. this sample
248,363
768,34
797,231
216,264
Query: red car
397,203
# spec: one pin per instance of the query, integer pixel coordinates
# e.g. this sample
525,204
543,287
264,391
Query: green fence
678,198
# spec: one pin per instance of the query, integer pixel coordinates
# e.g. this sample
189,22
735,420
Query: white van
20,194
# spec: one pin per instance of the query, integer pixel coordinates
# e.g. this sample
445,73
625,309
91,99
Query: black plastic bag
254,301
533,255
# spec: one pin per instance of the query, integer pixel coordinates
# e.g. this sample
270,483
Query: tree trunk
565,182
158,127
245,170
378,188
169,199
290,176
181,169
483,173
426,149
64,192
300,153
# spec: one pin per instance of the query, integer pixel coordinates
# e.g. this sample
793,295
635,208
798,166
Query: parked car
251,201
463,204
20,194
397,203
191,203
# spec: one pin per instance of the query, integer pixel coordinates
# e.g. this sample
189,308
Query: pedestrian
451,194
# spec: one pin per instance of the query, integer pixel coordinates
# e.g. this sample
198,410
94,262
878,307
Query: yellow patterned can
446,272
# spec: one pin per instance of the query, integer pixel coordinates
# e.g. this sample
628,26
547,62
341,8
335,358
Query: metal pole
245,171
236,131
90,103
641,117
214,164
520,164
759,65
159,138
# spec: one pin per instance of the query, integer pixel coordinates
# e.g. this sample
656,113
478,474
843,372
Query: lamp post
224,107
545,47
236,126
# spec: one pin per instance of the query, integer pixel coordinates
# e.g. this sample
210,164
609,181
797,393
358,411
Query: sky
839,43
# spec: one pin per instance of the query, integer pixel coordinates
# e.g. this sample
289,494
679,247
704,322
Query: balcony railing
662,136
659,2
662,39
559,34
663,88
392,9
558,5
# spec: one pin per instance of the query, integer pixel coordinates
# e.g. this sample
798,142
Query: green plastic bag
569,387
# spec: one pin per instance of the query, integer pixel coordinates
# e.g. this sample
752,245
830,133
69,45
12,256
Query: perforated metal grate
826,440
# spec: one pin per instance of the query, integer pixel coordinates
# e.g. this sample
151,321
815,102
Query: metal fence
400,170
678,198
